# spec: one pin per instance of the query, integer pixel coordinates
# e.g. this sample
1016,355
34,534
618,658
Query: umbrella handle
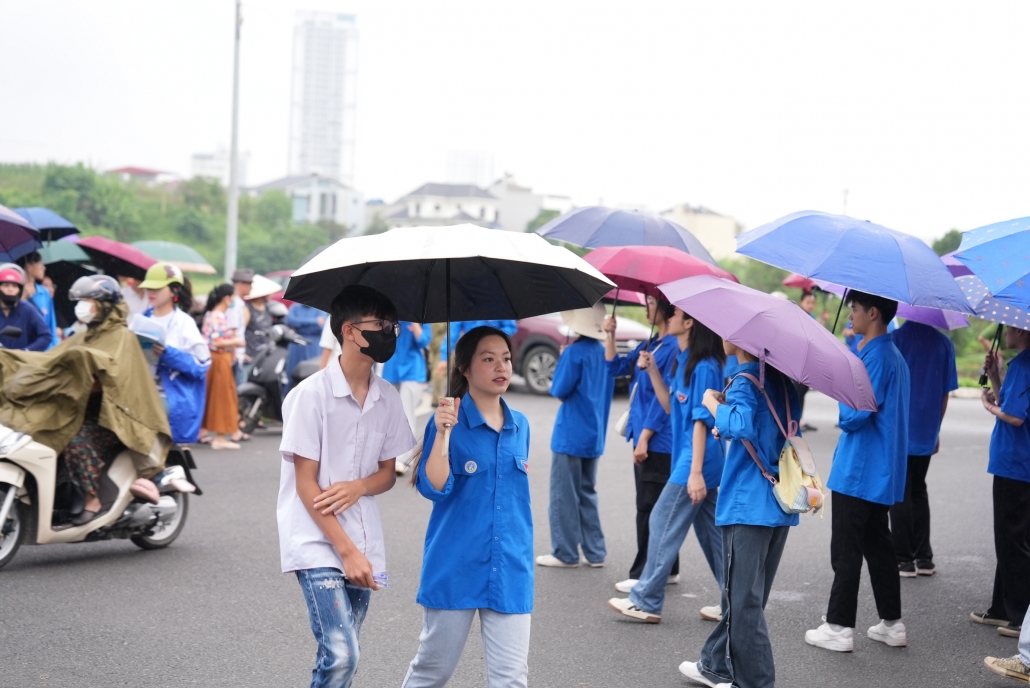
445,448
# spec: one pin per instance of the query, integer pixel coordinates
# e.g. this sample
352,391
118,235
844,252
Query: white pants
411,397
444,632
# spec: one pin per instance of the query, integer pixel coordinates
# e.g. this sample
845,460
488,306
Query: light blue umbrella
50,225
856,254
999,254
595,226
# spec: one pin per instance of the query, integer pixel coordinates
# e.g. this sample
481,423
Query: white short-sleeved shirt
328,341
323,422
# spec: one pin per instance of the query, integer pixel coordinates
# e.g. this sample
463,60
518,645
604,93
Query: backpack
799,489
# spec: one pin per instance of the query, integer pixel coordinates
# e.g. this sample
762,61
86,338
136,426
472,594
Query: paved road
213,610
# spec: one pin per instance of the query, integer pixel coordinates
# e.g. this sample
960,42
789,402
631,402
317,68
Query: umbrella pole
445,448
995,344
839,307
615,304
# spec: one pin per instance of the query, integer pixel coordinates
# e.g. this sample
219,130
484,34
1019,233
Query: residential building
518,205
443,204
142,174
317,198
216,166
717,232
323,95
470,167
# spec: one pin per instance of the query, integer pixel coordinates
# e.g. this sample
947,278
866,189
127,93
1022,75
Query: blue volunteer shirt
35,335
871,458
745,496
479,542
458,330
685,402
930,356
1010,446
44,302
644,410
582,382
407,363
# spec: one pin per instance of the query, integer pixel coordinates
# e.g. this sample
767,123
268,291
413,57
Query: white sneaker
829,639
889,635
712,613
623,606
674,579
690,670
626,585
554,562
593,564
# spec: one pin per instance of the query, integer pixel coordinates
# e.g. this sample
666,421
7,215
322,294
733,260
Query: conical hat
587,322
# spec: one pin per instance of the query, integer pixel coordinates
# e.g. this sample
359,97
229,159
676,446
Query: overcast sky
754,109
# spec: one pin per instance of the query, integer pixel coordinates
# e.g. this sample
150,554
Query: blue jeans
575,520
671,518
738,650
336,609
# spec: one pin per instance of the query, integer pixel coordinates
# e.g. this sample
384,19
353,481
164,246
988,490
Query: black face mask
381,344
10,301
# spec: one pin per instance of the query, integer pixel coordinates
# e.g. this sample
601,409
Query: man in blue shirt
582,382
406,370
868,476
930,356
35,335
35,271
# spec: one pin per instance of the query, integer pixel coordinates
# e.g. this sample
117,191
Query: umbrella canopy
999,254
50,225
988,308
798,282
55,251
643,268
595,226
955,266
18,237
116,258
779,333
186,258
463,272
934,317
625,297
857,254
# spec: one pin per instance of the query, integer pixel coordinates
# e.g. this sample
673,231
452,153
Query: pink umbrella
643,268
629,298
779,333
798,281
934,317
114,257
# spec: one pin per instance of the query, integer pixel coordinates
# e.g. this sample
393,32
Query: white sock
890,624
835,628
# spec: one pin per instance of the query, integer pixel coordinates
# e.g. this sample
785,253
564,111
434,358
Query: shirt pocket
519,476
468,472
370,446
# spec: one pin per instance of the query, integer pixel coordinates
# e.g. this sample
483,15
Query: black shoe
925,567
988,620
907,569
809,428
1009,631
84,517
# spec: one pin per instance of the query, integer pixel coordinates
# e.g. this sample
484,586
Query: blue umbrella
856,254
17,236
987,307
595,226
999,254
50,224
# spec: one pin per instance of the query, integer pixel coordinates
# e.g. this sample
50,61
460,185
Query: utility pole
234,181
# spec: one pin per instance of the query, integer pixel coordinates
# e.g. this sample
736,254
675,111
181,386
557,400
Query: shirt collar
340,386
872,344
473,418
746,367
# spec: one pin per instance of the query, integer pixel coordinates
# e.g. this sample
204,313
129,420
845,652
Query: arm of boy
339,497
356,566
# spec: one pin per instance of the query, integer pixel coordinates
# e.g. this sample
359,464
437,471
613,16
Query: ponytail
183,295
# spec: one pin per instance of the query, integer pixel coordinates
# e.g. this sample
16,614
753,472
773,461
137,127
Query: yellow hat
161,275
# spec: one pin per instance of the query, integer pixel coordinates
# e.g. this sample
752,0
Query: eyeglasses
384,325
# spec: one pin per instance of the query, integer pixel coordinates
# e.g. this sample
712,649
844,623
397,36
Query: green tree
541,219
203,193
948,243
192,226
86,197
377,225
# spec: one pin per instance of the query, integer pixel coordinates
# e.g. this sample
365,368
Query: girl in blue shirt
697,460
479,542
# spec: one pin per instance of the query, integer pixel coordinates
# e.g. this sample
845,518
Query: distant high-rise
323,95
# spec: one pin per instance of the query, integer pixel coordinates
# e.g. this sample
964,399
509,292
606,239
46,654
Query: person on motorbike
183,359
35,334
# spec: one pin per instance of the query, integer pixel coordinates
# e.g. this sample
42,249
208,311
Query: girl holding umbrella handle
479,542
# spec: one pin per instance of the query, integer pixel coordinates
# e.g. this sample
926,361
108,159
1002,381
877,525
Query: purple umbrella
955,266
934,317
17,236
778,332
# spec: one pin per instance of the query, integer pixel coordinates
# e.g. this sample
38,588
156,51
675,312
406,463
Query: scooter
37,502
261,396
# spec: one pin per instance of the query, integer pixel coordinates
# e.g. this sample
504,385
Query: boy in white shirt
343,428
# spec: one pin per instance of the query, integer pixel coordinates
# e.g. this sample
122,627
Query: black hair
217,294
464,352
182,295
355,302
665,308
703,344
33,257
887,307
806,293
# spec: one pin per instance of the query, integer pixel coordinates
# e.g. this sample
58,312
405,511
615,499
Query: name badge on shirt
471,467
681,397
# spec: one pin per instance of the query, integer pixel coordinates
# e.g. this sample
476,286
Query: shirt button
499,477
498,507
495,538
495,569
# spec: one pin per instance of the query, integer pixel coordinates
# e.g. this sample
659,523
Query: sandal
204,439
242,437
222,444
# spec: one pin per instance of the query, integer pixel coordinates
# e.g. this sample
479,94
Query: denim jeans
573,512
444,632
670,521
336,609
738,650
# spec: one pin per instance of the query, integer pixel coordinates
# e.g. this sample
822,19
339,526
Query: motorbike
261,395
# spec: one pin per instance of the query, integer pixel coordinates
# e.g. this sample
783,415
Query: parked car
538,342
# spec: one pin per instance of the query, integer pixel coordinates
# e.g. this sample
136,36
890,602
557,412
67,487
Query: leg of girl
444,632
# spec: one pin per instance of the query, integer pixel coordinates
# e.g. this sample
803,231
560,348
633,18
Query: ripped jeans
336,608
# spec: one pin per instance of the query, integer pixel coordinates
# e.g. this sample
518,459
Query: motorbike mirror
11,332
277,333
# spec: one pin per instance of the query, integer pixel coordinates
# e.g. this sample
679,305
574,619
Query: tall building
216,166
323,95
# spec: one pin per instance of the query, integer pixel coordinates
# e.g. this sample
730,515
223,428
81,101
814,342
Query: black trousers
650,478
861,529
802,391
910,519
1012,548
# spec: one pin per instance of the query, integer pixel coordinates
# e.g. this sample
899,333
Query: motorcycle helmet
12,274
102,288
